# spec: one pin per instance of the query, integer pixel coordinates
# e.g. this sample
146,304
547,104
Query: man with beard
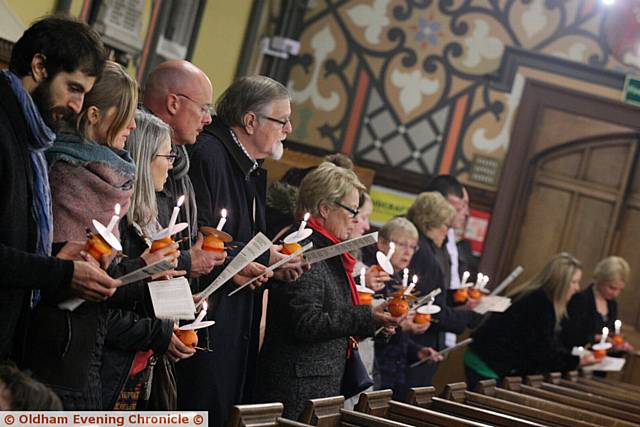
52,66
252,121
179,93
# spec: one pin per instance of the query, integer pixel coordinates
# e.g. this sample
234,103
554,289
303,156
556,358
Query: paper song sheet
340,248
272,267
252,250
172,299
492,303
608,364
135,276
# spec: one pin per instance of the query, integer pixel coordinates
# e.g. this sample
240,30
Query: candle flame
223,213
415,278
180,201
306,216
362,271
117,209
405,272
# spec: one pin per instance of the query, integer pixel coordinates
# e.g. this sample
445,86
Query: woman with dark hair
523,340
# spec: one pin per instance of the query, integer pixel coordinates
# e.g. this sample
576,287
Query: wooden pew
619,384
572,380
513,392
536,386
485,396
328,412
260,415
379,403
552,383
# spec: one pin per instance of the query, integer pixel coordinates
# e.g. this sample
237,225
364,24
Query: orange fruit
161,243
474,293
365,298
398,306
422,318
188,337
460,295
599,354
290,248
618,340
376,269
212,243
96,246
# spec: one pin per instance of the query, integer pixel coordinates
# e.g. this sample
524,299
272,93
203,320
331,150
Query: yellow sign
388,204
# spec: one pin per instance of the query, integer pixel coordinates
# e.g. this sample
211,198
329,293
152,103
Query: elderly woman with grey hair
310,322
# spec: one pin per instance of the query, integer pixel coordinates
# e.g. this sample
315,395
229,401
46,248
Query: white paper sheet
492,303
272,267
172,299
340,248
137,275
609,364
252,250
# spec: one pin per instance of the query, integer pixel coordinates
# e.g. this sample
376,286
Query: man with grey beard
251,121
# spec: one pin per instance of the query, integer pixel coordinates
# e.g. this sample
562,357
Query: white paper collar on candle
602,346
107,235
364,289
428,309
384,261
199,325
166,232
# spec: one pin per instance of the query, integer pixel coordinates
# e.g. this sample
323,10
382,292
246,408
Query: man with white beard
251,121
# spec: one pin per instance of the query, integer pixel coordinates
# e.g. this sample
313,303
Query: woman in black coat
523,340
595,307
310,322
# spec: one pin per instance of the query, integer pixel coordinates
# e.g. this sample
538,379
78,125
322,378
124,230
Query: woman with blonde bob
595,307
311,322
524,339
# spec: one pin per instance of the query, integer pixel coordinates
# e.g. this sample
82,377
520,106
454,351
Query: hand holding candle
174,214
223,219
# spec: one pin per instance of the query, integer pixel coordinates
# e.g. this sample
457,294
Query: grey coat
308,325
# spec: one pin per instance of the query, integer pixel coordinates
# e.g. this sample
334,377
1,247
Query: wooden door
575,200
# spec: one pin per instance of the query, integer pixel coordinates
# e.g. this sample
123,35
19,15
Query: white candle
479,279
392,249
618,325
409,289
605,334
363,281
303,224
202,313
485,280
176,211
414,279
405,277
465,277
223,219
114,218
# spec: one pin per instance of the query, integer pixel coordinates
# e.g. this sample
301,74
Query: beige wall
219,41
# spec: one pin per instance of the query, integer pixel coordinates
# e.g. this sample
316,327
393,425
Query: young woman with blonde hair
524,339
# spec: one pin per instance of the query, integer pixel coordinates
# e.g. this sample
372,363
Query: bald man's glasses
205,109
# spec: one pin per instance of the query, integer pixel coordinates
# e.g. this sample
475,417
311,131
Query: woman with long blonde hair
524,339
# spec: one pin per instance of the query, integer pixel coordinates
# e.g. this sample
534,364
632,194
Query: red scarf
348,261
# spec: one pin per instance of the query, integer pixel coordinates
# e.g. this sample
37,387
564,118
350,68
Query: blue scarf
42,139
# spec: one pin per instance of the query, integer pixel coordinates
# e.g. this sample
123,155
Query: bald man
180,94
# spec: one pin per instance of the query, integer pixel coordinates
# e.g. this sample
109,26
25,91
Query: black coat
22,270
308,325
217,380
523,340
583,321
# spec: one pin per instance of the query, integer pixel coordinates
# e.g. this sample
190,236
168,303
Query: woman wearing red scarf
309,321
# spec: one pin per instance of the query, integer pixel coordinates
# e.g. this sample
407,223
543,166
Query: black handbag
162,391
355,379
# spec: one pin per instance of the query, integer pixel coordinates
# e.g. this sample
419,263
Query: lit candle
479,279
362,277
414,280
174,214
605,334
405,277
114,218
465,277
202,313
303,224
223,219
618,325
392,249
485,280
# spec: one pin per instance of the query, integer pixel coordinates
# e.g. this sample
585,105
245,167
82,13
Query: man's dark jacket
217,380
22,270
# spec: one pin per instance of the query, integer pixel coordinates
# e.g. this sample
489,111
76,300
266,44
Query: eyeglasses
170,157
283,123
353,212
205,109
405,245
